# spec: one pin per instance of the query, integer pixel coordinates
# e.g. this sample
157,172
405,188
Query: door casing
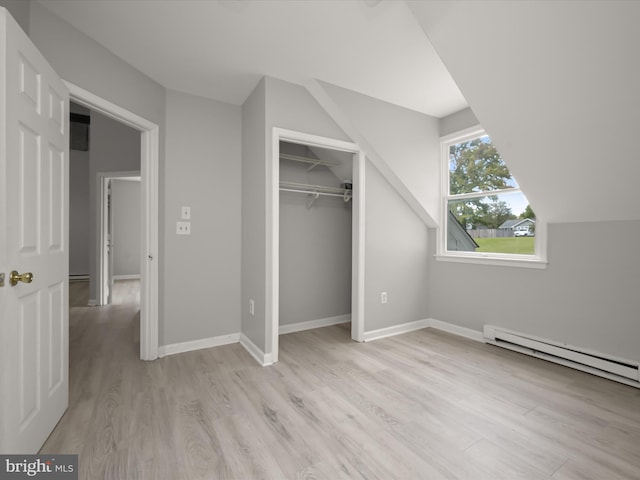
149,166
273,234
104,272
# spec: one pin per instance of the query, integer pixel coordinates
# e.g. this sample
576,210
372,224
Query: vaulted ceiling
557,86
220,49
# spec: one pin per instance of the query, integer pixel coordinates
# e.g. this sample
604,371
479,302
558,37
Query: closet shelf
313,162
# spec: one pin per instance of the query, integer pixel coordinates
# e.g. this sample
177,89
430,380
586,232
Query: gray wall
457,121
273,103
315,249
396,257
587,297
203,143
254,215
79,213
126,234
396,243
113,147
20,11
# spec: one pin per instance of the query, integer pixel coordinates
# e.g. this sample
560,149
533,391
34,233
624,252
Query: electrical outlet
183,228
383,297
185,213
252,307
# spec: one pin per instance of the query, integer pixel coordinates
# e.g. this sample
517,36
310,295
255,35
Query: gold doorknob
15,277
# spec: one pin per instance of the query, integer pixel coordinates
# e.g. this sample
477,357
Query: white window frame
537,260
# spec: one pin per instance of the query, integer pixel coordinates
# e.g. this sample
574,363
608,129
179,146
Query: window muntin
484,211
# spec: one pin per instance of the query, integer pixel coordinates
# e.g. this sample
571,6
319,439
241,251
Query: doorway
120,249
356,197
149,166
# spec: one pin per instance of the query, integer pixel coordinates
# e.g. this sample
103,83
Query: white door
34,317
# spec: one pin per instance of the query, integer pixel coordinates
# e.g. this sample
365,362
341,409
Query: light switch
185,213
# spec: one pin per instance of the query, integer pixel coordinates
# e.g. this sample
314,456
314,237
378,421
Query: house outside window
486,218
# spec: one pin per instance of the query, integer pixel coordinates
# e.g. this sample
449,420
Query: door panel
28,364
29,202
56,199
34,316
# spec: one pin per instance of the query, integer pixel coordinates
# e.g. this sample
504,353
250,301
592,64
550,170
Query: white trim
149,166
199,344
311,324
262,358
497,260
131,276
396,330
456,330
358,229
272,277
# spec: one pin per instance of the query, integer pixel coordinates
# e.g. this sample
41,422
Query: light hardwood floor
424,405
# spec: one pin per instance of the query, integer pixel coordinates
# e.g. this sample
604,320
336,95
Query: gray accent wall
203,142
126,234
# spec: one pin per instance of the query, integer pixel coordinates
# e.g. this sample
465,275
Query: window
486,217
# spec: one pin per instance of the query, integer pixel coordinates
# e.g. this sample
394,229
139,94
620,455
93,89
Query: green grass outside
519,245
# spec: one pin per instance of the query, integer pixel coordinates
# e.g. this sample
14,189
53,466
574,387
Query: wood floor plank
422,405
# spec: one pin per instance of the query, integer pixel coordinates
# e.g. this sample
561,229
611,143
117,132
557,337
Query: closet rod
312,192
314,161
313,188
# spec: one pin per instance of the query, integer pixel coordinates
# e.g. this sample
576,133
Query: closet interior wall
315,238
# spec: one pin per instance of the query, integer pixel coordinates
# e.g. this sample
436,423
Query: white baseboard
420,324
456,330
395,330
190,346
133,276
311,324
262,358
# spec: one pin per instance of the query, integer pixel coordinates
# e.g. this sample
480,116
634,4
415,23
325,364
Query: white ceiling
220,49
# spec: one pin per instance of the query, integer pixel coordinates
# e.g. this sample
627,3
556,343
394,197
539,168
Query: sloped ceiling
220,49
557,86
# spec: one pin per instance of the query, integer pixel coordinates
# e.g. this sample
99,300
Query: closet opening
317,235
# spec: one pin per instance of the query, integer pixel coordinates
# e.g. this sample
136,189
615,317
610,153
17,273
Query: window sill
495,260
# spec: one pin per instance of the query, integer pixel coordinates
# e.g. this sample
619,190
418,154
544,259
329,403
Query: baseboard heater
621,370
